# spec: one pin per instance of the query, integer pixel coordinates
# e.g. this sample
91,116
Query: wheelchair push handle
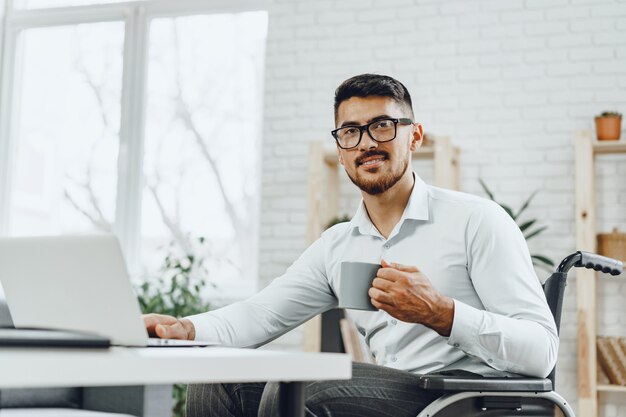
601,263
591,261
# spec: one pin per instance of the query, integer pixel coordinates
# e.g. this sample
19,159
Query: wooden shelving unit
610,388
586,149
323,174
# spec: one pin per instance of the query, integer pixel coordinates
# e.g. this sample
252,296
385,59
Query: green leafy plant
337,219
525,227
177,292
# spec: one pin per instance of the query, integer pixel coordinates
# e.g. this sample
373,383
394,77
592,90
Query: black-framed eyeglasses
382,130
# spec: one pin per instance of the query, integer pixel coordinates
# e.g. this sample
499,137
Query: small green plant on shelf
610,114
526,227
177,292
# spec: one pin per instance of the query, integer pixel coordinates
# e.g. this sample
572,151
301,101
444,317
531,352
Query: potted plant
178,292
608,125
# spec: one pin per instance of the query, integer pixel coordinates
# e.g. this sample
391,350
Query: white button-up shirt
470,250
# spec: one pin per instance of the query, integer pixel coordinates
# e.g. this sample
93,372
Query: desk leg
292,399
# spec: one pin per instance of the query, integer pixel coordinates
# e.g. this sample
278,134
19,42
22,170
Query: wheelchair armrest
489,384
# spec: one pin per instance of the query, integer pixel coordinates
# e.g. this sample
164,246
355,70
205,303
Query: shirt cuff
465,327
200,326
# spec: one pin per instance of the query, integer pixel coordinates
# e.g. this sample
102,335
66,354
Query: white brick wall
511,81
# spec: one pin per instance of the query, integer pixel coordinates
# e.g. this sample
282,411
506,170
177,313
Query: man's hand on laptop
168,327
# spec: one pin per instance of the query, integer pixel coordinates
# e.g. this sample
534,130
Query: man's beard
381,184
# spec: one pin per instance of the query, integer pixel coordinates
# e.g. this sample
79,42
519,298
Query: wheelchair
513,396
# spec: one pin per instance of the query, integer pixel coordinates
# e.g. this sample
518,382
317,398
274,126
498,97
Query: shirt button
386,246
393,359
456,345
394,322
490,360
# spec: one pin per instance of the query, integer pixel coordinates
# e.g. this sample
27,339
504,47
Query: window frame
136,16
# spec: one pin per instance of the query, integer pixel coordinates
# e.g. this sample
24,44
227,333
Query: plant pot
608,128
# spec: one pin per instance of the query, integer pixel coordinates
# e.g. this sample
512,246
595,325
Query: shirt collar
416,208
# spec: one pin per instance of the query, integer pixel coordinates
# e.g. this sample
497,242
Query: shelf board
427,151
330,157
611,388
609,146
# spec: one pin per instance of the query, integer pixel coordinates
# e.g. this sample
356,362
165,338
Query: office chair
505,396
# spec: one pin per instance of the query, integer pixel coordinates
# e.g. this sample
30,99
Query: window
67,135
42,4
200,171
146,124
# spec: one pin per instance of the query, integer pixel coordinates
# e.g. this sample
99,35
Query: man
456,290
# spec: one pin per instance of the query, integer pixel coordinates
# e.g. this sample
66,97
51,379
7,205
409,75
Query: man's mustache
369,154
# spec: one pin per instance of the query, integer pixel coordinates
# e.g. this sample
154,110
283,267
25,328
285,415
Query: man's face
372,166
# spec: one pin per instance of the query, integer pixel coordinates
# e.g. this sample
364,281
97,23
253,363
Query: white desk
38,367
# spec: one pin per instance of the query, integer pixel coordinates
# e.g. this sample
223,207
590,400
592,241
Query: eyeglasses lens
380,131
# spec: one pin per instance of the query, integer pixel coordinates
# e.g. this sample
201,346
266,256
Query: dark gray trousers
373,391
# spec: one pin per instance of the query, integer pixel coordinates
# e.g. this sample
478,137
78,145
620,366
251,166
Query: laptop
76,283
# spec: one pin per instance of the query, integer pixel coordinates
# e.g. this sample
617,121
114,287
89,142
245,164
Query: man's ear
418,136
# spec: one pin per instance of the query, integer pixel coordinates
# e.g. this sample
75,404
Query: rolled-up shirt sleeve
291,299
516,331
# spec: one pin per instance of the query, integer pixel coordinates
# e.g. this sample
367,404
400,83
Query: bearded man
456,289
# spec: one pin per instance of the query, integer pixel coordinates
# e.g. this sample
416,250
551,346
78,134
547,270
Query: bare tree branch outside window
166,193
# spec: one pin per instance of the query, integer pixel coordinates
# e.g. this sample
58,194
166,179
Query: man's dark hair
367,85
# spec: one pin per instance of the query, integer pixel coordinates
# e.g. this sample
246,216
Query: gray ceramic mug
355,280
